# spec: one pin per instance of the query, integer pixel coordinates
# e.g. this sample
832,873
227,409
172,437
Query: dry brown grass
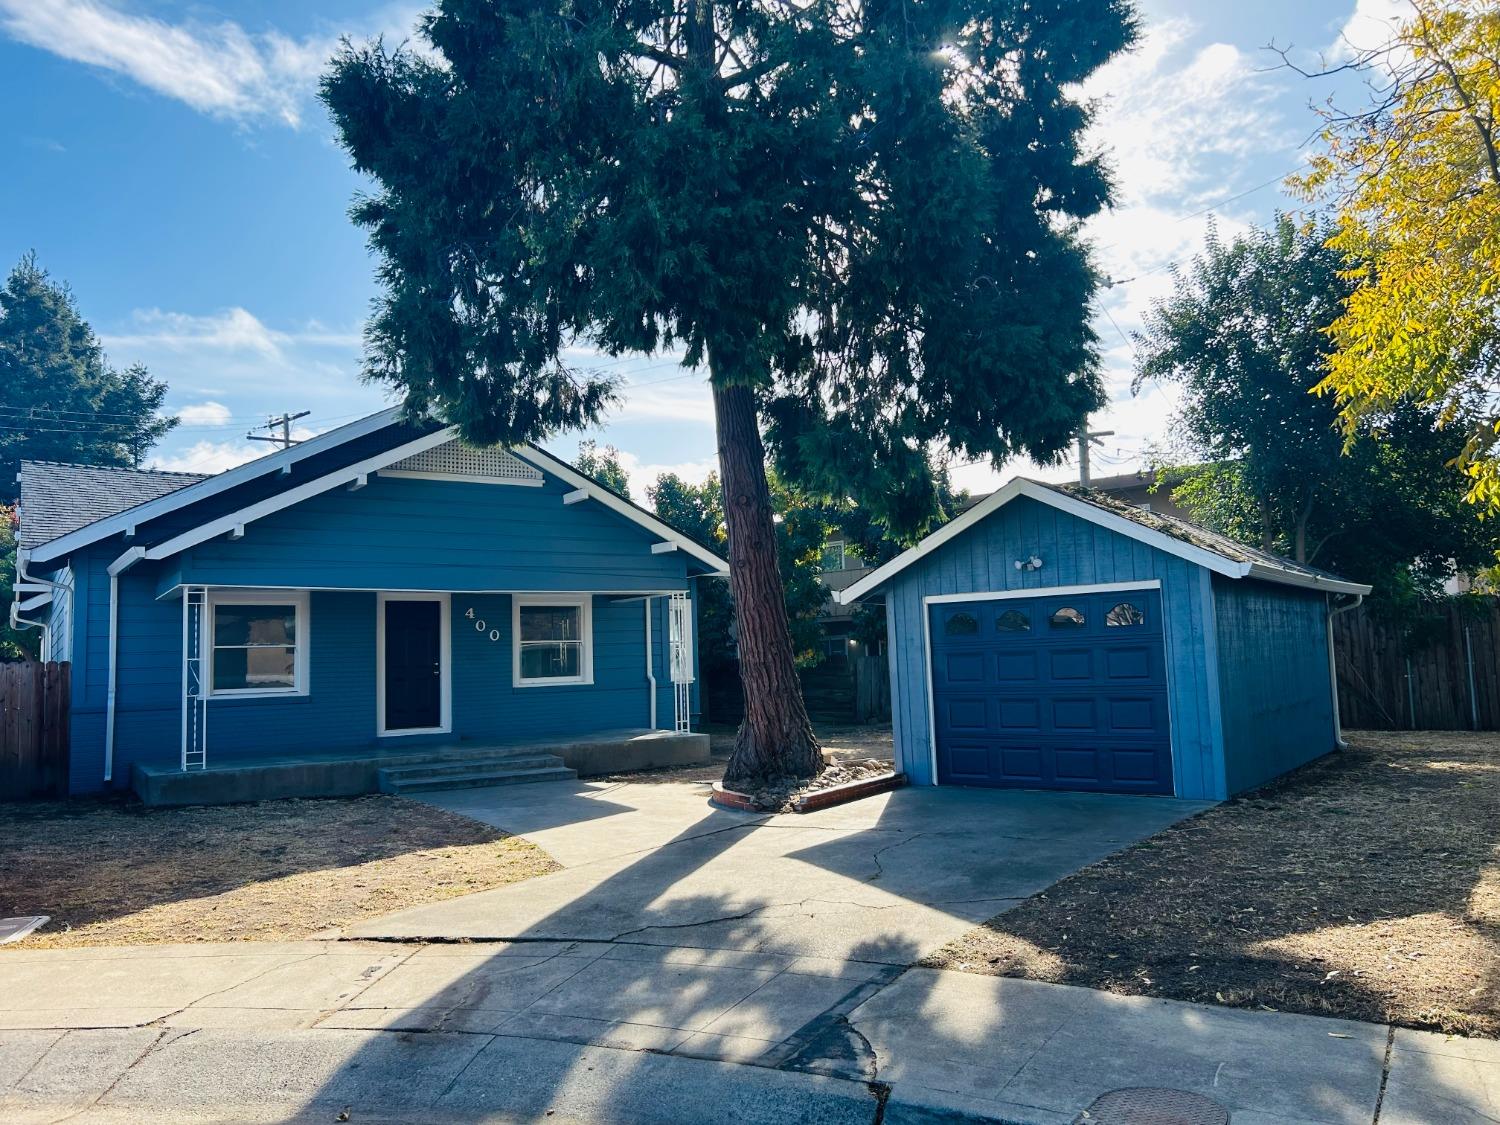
1364,886
115,873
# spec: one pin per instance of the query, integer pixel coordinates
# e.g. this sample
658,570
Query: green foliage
1415,177
604,466
14,644
801,530
869,214
59,398
1260,457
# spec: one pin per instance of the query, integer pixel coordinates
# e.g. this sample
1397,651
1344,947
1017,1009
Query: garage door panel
1021,702
966,714
1016,666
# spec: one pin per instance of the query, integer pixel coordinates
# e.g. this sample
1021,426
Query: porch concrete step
400,786
474,763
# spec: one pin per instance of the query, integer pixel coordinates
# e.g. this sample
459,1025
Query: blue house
1055,638
379,606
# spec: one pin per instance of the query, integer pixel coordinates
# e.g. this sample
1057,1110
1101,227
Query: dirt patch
840,744
116,873
1364,886
783,797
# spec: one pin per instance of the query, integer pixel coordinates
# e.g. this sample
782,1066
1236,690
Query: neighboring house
839,568
1052,637
379,588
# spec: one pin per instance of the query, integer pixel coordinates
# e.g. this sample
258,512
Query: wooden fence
1445,675
853,691
33,730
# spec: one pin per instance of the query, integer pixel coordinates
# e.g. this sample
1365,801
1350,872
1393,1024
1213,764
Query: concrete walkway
602,1032
888,879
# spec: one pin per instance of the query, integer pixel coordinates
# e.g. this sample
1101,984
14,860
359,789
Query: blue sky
169,162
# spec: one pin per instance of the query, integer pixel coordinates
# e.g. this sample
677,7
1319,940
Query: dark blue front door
1065,691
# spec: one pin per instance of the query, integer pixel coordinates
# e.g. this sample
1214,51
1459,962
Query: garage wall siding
1273,679
1074,552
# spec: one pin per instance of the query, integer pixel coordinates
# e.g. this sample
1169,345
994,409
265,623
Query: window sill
255,696
567,681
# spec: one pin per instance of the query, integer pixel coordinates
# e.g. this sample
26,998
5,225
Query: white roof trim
228,523
1020,486
230,478
561,469
33,603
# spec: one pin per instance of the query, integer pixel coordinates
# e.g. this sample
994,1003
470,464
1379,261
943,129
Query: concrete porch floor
312,772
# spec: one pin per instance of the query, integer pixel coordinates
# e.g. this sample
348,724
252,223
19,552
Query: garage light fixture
1033,563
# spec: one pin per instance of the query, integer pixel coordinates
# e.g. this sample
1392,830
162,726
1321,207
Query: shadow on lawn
1363,886
90,862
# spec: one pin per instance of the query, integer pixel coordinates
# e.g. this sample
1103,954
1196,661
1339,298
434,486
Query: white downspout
650,670
1333,672
116,568
24,576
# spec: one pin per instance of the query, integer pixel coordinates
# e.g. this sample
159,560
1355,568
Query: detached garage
1055,638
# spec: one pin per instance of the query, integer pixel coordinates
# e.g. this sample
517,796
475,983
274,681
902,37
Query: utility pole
283,439
1087,438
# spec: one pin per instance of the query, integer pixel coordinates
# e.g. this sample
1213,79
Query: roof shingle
57,498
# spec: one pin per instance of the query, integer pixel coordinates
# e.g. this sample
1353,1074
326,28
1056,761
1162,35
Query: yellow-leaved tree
1414,179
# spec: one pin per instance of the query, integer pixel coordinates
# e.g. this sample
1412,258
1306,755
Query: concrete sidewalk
622,1032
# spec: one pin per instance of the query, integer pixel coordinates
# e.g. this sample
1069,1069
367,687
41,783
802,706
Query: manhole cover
1147,1106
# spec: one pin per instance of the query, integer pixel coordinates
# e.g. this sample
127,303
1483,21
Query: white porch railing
194,680
680,645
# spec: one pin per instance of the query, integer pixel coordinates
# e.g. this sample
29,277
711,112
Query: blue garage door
1067,691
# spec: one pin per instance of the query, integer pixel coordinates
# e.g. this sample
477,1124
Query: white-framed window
257,642
553,638
832,557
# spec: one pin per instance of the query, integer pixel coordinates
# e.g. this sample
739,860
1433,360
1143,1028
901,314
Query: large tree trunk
776,738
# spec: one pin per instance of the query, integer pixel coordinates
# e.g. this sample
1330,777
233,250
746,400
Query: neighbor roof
1208,549
57,497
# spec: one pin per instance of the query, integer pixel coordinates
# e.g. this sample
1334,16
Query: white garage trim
1043,592
931,600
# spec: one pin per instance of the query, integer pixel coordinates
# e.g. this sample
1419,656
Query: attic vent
454,459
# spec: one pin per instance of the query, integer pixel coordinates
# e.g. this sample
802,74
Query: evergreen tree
60,400
859,219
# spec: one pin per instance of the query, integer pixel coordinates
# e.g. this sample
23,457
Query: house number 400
480,624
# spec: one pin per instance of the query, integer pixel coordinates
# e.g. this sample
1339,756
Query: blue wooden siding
1273,679
394,534
406,534
1074,552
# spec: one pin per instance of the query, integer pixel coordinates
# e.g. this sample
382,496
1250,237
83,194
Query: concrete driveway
884,880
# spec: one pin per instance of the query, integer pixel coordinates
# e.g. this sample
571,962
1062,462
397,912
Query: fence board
1422,682
33,729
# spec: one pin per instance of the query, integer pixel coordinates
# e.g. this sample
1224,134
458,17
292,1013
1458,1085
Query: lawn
1364,886
114,872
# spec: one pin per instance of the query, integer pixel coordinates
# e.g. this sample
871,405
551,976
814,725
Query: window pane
255,625
545,661
961,625
832,558
551,623
1012,621
1067,618
1124,614
241,668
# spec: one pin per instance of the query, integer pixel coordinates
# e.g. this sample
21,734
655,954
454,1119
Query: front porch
232,778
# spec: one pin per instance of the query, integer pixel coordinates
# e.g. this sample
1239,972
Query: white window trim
302,628
585,604
445,657
843,556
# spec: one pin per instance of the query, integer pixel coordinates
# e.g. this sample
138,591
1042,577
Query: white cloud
217,68
204,414
671,400
233,329
209,456
1370,26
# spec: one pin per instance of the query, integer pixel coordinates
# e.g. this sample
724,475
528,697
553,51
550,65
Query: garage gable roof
1207,549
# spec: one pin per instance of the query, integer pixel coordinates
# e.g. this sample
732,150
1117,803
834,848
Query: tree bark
776,740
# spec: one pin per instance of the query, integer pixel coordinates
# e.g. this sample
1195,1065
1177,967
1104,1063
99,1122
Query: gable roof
57,497
282,459
1207,549
187,492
